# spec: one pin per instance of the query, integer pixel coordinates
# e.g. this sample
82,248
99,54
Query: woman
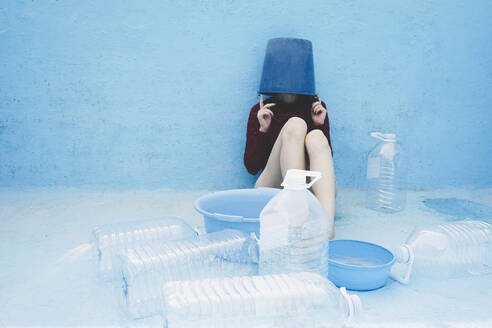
290,130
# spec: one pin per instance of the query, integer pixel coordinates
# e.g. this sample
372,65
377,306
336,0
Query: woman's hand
318,112
264,115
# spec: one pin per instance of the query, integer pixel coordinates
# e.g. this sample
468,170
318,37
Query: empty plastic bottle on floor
113,238
446,250
385,175
300,299
145,269
294,228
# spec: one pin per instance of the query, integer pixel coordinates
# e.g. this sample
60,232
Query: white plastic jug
385,184
294,228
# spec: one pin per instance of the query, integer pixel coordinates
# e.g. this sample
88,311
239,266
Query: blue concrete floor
48,270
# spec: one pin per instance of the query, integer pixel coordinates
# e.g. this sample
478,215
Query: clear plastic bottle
145,269
446,251
112,239
294,228
385,184
300,299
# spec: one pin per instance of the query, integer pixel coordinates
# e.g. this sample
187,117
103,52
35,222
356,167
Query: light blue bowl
234,209
359,265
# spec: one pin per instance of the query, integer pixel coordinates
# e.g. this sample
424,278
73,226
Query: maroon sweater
259,145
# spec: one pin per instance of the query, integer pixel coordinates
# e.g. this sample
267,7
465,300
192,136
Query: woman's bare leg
320,159
287,153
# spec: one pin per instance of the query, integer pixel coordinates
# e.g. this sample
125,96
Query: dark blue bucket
288,67
234,209
359,265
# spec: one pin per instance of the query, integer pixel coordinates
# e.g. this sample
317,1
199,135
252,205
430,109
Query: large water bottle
294,228
445,251
301,299
145,269
112,239
385,175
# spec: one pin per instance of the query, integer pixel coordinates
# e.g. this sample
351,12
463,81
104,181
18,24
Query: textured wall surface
157,93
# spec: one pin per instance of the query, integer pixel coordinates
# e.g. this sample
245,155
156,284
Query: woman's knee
294,128
316,142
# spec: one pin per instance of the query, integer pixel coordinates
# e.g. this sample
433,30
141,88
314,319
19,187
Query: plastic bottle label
373,166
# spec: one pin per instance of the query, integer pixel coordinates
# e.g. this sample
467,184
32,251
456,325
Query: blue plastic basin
234,209
359,265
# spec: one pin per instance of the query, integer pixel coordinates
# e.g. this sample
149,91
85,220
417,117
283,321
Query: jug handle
347,298
377,135
316,175
411,258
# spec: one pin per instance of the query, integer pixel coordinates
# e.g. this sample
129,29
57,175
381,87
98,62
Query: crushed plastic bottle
112,239
300,299
294,228
446,250
145,269
385,184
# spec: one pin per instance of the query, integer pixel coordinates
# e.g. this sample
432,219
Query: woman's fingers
318,102
318,111
317,108
263,105
267,113
265,109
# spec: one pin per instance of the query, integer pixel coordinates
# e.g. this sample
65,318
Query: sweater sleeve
325,127
255,153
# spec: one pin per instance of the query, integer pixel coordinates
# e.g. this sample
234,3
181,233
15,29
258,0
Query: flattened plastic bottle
144,270
446,250
112,239
299,299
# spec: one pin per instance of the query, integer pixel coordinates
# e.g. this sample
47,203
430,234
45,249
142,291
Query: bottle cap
402,253
405,255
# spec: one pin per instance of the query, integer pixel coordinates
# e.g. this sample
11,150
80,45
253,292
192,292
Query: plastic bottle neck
405,255
402,253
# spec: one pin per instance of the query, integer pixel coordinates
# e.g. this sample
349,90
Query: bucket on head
288,67
234,209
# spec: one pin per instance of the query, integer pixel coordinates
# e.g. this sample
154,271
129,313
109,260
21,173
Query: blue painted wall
157,93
